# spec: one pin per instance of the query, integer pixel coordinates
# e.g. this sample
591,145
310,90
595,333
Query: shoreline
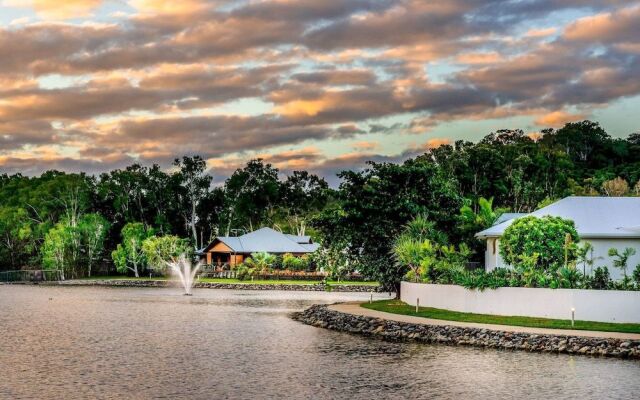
324,316
215,285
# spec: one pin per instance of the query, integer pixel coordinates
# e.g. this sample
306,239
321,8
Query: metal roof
595,217
268,240
507,217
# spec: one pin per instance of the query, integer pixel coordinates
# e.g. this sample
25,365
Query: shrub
553,239
601,278
293,263
636,275
260,262
243,272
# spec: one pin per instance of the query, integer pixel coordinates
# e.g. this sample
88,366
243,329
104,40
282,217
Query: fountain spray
182,268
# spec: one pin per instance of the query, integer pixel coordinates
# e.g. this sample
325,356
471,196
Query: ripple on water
74,342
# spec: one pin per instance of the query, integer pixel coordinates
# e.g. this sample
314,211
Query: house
233,250
605,222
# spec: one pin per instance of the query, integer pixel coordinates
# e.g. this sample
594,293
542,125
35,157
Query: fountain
181,267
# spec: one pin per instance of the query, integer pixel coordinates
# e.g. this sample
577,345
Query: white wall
590,305
601,250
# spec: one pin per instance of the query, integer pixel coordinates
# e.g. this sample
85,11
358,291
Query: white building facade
605,222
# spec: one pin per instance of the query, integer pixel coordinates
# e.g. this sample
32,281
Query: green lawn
399,307
248,281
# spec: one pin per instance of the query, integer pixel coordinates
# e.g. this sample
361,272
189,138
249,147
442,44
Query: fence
31,275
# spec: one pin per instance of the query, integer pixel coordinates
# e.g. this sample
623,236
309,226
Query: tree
615,187
622,259
93,230
586,258
15,236
375,204
301,195
128,255
251,194
418,256
158,250
553,239
195,184
55,250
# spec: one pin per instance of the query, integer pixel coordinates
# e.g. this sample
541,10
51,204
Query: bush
601,279
636,275
243,272
293,263
551,240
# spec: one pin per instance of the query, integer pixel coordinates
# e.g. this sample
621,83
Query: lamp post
573,316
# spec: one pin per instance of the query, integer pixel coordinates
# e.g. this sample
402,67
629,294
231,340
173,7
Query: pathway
355,309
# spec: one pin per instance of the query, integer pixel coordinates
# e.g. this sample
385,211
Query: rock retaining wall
235,286
323,317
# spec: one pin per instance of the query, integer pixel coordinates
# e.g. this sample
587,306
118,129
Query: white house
605,222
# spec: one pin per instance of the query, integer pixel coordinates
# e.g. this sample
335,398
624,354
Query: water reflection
137,343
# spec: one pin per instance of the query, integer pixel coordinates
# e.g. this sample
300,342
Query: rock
321,315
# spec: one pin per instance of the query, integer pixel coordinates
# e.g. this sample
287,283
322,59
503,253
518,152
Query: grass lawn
399,307
248,281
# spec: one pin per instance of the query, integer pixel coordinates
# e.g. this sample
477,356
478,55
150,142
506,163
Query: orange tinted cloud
558,118
168,6
543,32
56,9
479,58
621,25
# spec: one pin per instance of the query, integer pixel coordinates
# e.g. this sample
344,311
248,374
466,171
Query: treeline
357,222
78,220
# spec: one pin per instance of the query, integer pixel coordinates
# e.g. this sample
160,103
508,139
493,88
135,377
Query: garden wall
590,305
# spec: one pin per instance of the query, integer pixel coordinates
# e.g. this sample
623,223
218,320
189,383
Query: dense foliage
459,188
548,242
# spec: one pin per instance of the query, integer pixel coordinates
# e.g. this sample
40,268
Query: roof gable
594,217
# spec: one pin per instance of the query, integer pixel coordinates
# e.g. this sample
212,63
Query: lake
95,342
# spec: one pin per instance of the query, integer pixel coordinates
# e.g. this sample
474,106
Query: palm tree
483,217
622,259
261,262
585,256
417,255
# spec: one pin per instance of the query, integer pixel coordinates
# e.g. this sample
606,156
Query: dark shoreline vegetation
226,284
322,317
399,307
83,225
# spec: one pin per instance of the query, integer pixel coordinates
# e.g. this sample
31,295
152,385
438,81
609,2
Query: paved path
355,309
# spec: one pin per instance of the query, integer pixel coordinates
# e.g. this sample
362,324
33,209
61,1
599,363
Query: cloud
618,26
558,118
55,9
232,80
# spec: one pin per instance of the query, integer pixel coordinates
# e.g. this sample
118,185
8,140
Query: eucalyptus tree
129,254
251,193
302,195
194,184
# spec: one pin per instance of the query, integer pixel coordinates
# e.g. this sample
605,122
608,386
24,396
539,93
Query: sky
93,85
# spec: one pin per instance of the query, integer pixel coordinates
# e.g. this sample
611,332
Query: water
75,342
185,273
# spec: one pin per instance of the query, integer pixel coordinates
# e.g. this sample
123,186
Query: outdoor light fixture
573,316
417,304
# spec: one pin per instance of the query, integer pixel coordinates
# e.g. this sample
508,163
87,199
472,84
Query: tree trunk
397,286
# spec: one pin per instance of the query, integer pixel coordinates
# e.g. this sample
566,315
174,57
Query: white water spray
183,269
